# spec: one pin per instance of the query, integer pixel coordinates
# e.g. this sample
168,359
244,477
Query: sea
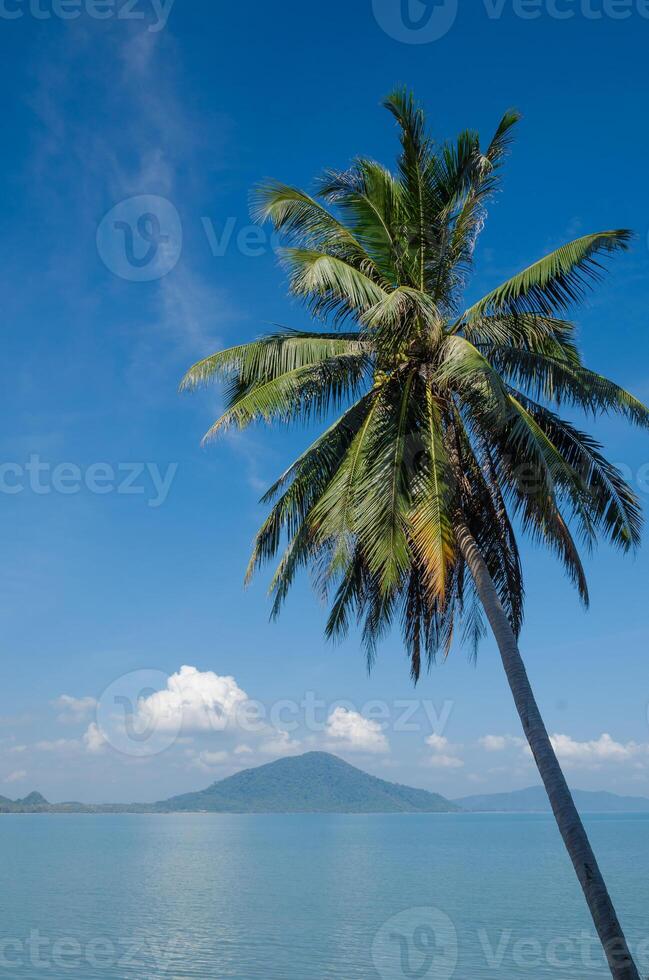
310,897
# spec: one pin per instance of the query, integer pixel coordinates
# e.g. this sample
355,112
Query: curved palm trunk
571,828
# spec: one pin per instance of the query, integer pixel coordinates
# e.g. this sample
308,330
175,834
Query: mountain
313,783
321,783
34,799
534,800
34,803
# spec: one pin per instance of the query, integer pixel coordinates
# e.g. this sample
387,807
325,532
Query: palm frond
330,285
272,355
431,517
556,282
305,392
383,500
549,376
613,506
372,204
304,483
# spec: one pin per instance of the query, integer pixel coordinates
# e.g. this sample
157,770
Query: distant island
318,782
535,800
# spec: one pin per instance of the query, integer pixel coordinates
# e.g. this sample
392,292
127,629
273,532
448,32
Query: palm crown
447,413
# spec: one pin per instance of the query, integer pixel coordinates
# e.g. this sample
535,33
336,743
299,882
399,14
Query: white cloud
165,142
160,145
445,762
193,706
210,760
62,745
15,777
597,751
588,754
498,743
280,743
74,709
94,739
445,755
350,731
194,701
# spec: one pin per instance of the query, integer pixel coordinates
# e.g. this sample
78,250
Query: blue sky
193,103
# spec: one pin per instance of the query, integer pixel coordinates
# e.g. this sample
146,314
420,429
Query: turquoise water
309,897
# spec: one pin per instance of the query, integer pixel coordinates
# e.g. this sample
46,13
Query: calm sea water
309,897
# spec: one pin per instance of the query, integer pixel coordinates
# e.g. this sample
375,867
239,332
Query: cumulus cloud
74,710
498,743
444,754
195,701
351,731
587,754
193,706
597,751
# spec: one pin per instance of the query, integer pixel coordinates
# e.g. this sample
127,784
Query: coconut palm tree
442,442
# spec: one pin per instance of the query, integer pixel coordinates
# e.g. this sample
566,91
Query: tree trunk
569,822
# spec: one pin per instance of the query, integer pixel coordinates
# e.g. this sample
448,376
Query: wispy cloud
147,140
498,743
444,755
73,710
19,776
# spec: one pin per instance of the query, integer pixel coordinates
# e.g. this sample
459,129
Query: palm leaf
271,356
556,282
431,520
312,390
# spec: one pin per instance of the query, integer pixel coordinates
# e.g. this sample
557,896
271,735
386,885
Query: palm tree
407,508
